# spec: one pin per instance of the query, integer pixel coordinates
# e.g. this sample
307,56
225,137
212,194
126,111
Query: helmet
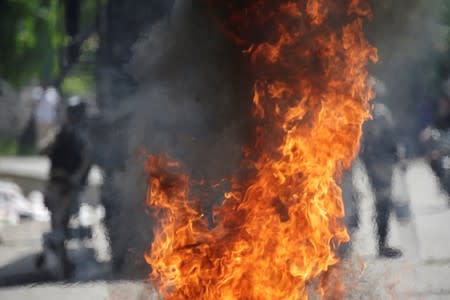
76,109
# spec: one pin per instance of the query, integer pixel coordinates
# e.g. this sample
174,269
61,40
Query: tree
30,39
43,39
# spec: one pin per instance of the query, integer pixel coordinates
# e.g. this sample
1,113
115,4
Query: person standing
380,155
70,163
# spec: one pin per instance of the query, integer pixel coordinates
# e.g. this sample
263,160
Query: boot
389,252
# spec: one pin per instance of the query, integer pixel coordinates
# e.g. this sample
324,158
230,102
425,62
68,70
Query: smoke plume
189,104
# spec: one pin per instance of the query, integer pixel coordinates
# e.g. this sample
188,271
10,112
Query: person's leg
381,179
350,198
435,165
59,198
351,208
382,210
66,213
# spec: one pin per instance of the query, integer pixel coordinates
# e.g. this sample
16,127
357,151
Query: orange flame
279,229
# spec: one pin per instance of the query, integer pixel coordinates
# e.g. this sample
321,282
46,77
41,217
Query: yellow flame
278,230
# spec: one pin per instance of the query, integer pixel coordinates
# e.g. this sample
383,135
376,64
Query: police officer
380,154
70,165
435,139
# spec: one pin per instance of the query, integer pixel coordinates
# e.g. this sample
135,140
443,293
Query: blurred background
74,76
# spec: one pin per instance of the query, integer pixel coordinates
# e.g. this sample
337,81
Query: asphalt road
423,272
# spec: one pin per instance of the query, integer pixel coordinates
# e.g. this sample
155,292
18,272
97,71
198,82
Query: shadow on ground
25,270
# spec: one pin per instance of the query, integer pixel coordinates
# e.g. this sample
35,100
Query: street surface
423,272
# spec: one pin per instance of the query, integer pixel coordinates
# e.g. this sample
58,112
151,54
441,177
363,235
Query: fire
279,229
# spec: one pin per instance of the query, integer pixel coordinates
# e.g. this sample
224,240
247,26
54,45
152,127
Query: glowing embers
278,229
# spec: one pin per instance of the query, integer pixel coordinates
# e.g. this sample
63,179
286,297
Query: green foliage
78,83
31,37
81,80
33,41
88,13
8,147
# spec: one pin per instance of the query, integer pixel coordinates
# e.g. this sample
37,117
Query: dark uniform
351,198
439,126
379,154
70,165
